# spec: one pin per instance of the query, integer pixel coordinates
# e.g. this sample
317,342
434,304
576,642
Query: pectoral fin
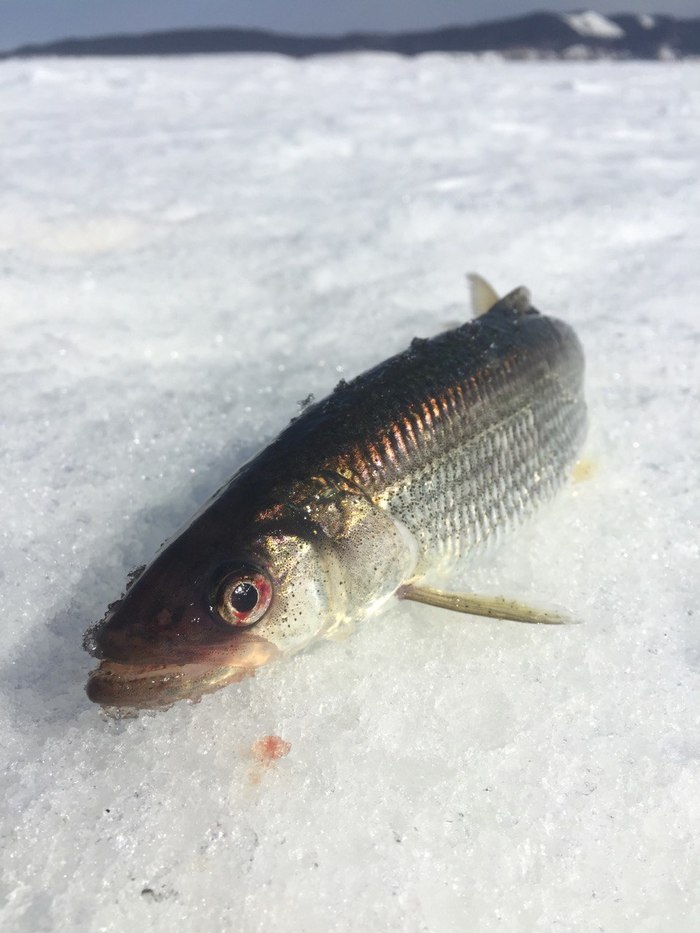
493,607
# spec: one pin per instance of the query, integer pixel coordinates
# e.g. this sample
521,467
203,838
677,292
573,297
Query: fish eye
243,596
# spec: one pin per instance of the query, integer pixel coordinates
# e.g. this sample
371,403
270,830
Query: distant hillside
538,35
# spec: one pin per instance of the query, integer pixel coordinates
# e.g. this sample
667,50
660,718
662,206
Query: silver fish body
480,454
397,475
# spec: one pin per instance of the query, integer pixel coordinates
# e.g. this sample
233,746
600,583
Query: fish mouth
120,685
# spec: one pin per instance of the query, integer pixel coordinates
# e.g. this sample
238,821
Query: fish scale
508,426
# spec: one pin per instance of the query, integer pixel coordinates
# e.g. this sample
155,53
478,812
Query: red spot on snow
270,748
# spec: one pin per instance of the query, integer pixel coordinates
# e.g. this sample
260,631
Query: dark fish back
458,436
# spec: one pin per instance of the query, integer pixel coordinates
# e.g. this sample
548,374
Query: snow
590,23
188,248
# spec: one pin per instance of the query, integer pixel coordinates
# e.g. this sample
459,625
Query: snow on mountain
592,24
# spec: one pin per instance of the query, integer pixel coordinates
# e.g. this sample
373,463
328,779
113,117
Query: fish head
205,614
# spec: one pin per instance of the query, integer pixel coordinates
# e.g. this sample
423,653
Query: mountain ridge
585,34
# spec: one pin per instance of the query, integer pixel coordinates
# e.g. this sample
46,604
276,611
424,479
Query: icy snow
590,23
191,246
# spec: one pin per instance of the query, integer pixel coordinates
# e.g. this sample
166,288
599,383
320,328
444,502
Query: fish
368,496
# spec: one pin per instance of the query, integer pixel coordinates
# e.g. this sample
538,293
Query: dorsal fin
484,296
518,300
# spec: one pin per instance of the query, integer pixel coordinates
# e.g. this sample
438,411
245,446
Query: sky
43,20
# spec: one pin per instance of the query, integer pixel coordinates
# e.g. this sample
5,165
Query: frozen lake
188,247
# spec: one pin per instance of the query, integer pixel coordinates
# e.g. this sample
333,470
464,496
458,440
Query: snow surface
590,23
188,248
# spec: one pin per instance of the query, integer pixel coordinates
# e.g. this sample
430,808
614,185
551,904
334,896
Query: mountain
585,34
